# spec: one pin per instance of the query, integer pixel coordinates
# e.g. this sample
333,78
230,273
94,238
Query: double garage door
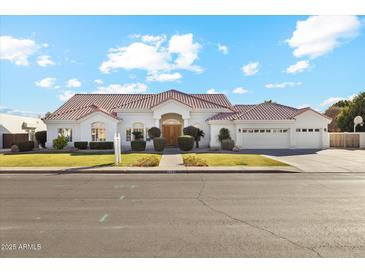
268,138
265,138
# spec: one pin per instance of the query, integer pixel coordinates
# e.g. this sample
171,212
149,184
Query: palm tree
200,134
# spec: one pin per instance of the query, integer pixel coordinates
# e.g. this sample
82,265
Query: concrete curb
182,170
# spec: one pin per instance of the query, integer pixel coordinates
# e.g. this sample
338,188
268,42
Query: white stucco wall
85,126
13,124
214,132
52,131
312,120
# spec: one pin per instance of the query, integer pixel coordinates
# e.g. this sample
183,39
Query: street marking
121,197
103,219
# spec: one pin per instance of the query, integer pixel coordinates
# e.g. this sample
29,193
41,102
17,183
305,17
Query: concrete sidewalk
171,157
149,170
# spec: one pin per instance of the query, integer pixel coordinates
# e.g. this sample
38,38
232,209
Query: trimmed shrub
191,130
60,142
224,134
41,137
148,161
14,148
80,145
138,145
26,146
154,132
159,143
185,142
101,145
227,144
192,160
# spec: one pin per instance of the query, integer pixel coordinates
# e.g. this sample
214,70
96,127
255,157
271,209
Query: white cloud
332,100
66,95
48,82
164,77
159,58
45,61
223,48
284,85
214,91
319,35
17,50
187,51
18,112
73,83
240,90
298,67
156,40
123,89
136,56
251,69
303,106
98,82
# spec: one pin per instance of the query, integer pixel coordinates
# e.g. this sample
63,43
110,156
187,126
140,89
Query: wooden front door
170,133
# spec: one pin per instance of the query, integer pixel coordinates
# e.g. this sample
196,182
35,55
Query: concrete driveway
328,160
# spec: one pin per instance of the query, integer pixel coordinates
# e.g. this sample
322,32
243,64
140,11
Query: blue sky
294,60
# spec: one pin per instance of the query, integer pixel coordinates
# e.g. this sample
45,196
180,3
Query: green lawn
67,159
226,159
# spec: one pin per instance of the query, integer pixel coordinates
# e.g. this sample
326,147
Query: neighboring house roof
81,105
263,111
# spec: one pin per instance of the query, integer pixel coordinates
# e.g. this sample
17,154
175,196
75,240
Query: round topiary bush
41,137
159,143
224,134
185,142
26,146
60,142
138,145
154,132
191,130
227,144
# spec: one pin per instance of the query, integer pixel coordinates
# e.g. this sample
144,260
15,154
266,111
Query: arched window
98,132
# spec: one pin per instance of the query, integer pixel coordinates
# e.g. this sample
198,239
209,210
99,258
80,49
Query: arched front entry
171,125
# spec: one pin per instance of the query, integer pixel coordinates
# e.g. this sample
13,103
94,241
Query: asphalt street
183,215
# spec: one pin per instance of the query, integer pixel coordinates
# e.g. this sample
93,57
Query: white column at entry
157,123
186,122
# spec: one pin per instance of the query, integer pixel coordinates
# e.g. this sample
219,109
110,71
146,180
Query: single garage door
265,138
308,138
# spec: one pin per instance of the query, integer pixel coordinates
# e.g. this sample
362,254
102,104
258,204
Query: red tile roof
81,105
264,111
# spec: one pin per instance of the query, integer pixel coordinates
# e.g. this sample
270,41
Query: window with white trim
98,132
128,134
67,132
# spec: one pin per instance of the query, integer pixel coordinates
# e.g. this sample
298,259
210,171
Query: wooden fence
13,138
345,140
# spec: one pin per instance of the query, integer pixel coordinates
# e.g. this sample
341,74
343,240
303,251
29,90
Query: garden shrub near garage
80,145
148,161
227,144
185,142
159,143
101,145
25,146
138,145
192,160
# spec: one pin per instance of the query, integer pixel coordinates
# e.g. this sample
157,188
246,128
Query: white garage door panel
308,140
265,140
